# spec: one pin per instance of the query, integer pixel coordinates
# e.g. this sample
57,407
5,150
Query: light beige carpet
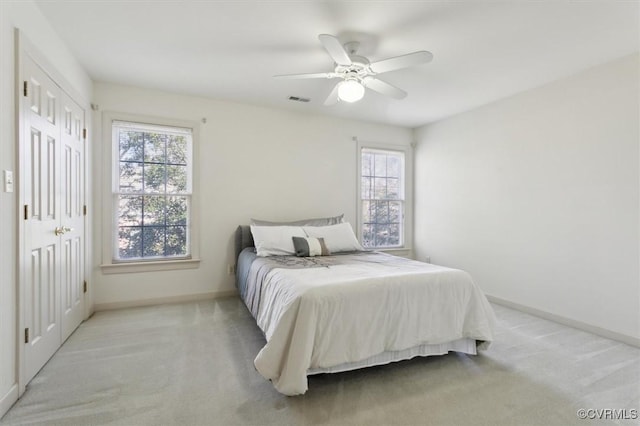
192,364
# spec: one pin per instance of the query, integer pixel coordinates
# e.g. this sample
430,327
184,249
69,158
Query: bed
353,309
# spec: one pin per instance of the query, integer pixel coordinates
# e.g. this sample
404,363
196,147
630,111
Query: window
152,191
382,198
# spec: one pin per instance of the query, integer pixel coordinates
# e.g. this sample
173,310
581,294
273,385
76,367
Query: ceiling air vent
298,99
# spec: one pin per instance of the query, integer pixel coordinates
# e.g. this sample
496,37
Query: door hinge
84,133
26,335
24,89
84,210
84,287
26,211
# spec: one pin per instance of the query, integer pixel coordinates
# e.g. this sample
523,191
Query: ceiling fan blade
335,49
332,99
300,76
404,61
384,88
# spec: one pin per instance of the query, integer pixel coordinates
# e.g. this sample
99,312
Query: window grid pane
382,198
152,197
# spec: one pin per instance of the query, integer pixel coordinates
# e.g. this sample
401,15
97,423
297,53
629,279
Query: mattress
347,311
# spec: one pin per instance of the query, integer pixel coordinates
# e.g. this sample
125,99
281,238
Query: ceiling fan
357,72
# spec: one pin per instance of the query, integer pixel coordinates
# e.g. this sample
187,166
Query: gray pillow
320,221
309,247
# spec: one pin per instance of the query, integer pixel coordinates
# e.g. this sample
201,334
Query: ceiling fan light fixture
350,91
357,73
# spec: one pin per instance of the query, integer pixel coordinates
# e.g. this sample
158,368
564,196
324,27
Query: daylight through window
382,197
152,192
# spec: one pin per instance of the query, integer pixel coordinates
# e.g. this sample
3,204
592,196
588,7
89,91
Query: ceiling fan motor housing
358,69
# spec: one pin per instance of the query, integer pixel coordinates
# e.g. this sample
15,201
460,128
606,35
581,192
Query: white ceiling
230,50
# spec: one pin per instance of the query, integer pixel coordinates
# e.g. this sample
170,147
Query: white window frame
407,228
109,225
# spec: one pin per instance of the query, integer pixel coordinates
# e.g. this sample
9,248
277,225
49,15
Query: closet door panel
72,218
40,172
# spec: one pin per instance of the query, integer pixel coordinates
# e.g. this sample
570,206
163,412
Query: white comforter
326,316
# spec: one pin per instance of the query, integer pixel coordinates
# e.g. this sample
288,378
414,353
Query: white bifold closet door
52,162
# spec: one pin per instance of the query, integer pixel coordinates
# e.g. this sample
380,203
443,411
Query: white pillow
275,240
338,238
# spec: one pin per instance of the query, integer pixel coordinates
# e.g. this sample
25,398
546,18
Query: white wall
26,16
254,162
537,197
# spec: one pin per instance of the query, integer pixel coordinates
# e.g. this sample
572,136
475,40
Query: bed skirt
467,346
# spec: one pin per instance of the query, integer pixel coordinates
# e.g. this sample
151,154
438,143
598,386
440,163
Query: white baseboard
8,400
603,332
163,300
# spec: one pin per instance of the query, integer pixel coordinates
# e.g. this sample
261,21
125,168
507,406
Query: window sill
398,251
163,265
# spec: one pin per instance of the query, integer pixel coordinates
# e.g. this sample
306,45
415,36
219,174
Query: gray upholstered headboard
244,238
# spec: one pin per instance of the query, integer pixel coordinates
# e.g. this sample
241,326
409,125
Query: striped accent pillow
310,246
